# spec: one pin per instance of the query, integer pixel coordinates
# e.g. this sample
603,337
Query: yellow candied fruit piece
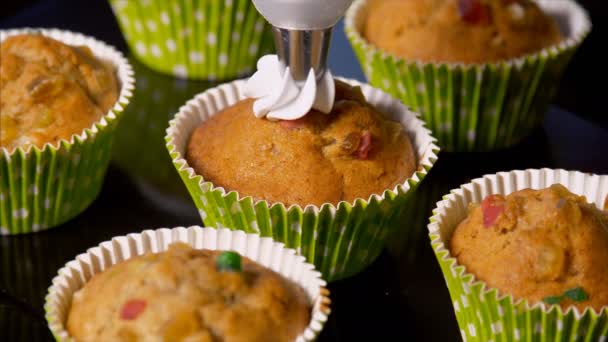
42,87
46,119
550,262
127,335
181,326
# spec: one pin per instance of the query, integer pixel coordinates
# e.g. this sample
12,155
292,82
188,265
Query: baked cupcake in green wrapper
521,254
480,72
139,146
203,39
62,95
291,191
216,276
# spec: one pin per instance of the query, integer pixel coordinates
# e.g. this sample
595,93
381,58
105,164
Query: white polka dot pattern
201,40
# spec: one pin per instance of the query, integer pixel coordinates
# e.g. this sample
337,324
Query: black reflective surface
402,296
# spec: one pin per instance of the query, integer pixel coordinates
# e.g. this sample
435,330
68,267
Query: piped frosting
279,97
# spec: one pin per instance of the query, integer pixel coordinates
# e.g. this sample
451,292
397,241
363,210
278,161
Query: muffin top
543,245
185,294
350,153
459,31
50,91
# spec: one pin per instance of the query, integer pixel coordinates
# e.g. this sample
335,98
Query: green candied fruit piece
229,261
576,294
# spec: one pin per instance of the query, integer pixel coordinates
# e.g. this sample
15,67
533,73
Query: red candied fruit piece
491,210
292,124
132,309
474,12
365,145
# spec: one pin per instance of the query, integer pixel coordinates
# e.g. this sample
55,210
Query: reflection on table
139,146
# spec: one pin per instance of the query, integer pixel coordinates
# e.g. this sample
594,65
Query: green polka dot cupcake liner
475,107
340,240
201,39
263,250
486,314
41,188
139,143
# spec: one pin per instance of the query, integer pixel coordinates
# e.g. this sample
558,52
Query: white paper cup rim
577,22
505,183
262,250
423,143
101,50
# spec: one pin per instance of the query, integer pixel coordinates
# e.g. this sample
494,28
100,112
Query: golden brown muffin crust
537,244
459,31
179,295
50,91
351,153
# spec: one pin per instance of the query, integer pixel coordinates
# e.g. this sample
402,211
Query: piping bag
302,34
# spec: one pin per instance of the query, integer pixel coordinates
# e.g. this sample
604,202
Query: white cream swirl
278,97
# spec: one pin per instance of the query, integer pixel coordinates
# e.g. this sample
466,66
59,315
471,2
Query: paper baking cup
204,39
264,251
483,313
43,187
475,107
340,240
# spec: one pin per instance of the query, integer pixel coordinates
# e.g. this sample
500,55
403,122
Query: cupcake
332,186
233,287
61,95
481,72
352,152
520,253
461,31
204,39
188,294
50,91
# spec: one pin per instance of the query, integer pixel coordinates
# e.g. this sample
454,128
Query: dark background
402,295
